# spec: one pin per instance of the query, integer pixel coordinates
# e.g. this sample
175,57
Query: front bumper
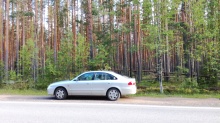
50,90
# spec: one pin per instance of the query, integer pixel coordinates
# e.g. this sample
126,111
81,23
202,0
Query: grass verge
22,92
159,95
34,92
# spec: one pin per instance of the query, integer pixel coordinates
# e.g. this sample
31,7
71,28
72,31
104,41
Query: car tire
113,94
60,93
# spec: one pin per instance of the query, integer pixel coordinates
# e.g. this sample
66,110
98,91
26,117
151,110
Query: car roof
105,71
101,71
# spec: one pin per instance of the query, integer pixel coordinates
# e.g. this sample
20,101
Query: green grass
158,95
148,89
174,89
22,92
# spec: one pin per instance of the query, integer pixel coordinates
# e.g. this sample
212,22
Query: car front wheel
60,93
113,94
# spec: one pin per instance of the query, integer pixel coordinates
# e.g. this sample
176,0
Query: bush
17,85
187,87
209,73
189,83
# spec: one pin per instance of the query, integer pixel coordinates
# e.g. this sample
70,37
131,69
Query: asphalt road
84,110
168,101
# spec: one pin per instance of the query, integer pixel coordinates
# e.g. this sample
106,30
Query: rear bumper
129,90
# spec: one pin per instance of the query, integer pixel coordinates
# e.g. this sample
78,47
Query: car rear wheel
113,94
60,93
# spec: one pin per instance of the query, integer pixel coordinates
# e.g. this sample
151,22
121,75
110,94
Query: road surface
86,111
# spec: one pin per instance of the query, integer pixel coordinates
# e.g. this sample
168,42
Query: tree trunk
159,47
130,42
137,43
6,39
50,26
11,42
55,32
90,29
139,56
35,52
185,39
74,22
1,31
17,40
167,57
123,39
42,53
1,39
23,38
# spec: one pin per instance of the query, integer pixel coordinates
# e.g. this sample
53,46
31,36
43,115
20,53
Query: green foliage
187,87
95,10
100,62
104,50
64,59
26,57
15,82
82,54
28,14
19,85
50,73
211,68
163,30
149,41
178,74
12,75
62,15
62,69
189,83
136,2
1,72
198,13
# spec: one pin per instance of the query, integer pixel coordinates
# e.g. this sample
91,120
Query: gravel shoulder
175,101
167,101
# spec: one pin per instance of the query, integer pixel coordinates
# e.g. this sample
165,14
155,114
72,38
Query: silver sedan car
94,83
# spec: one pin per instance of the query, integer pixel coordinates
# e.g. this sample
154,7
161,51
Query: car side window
99,76
110,77
104,76
86,76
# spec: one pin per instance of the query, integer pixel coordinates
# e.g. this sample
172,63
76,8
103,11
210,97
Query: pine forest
42,41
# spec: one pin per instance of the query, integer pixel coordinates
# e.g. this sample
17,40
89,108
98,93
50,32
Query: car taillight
131,83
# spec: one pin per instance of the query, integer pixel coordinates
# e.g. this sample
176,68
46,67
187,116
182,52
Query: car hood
60,82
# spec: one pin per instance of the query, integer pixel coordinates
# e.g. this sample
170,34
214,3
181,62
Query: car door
101,83
82,85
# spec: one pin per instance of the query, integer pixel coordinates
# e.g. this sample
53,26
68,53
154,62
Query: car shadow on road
85,98
88,98
52,98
